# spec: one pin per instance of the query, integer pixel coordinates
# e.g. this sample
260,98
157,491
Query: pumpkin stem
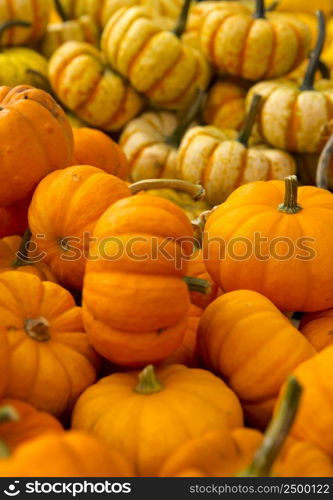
175,138
290,205
324,70
273,6
246,130
12,23
198,285
22,258
44,80
7,414
276,433
148,382
259,13
38,329
316,53
182,20
195,190
60,10
325,160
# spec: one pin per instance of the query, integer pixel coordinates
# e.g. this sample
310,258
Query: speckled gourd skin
155,61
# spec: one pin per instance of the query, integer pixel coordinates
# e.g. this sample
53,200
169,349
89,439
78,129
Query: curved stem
195,190
272,6
198,285
290,205
276,433
316,53
148,382
44,80
193,110
60,10
260,10
12,23
182,20
324,70
324,164
246,131
22,258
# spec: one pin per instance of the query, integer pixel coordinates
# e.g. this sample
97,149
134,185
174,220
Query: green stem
182,20
273,6
60,10
22,253
43,79
196,191
148,382
324,70
316,53
175,138
276,433
290,205
246,131
260,10
12,23
198,285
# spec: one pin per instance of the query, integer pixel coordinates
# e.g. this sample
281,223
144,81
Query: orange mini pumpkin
311,425
30,423
64,209
73,454
233,329
93,147
13,257
135,298
172,405
217,453
51,360
318,328
43,141
263,238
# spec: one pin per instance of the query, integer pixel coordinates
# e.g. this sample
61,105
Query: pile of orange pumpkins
166,278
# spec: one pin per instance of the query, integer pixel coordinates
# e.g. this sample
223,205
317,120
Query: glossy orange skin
300,282
235,342
187,353
52,373
254,49
217,453
8,253
14,218
135,302
43,142
318,329
197,269
66,205
191,402
93,147
313,425
31,424
69,454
